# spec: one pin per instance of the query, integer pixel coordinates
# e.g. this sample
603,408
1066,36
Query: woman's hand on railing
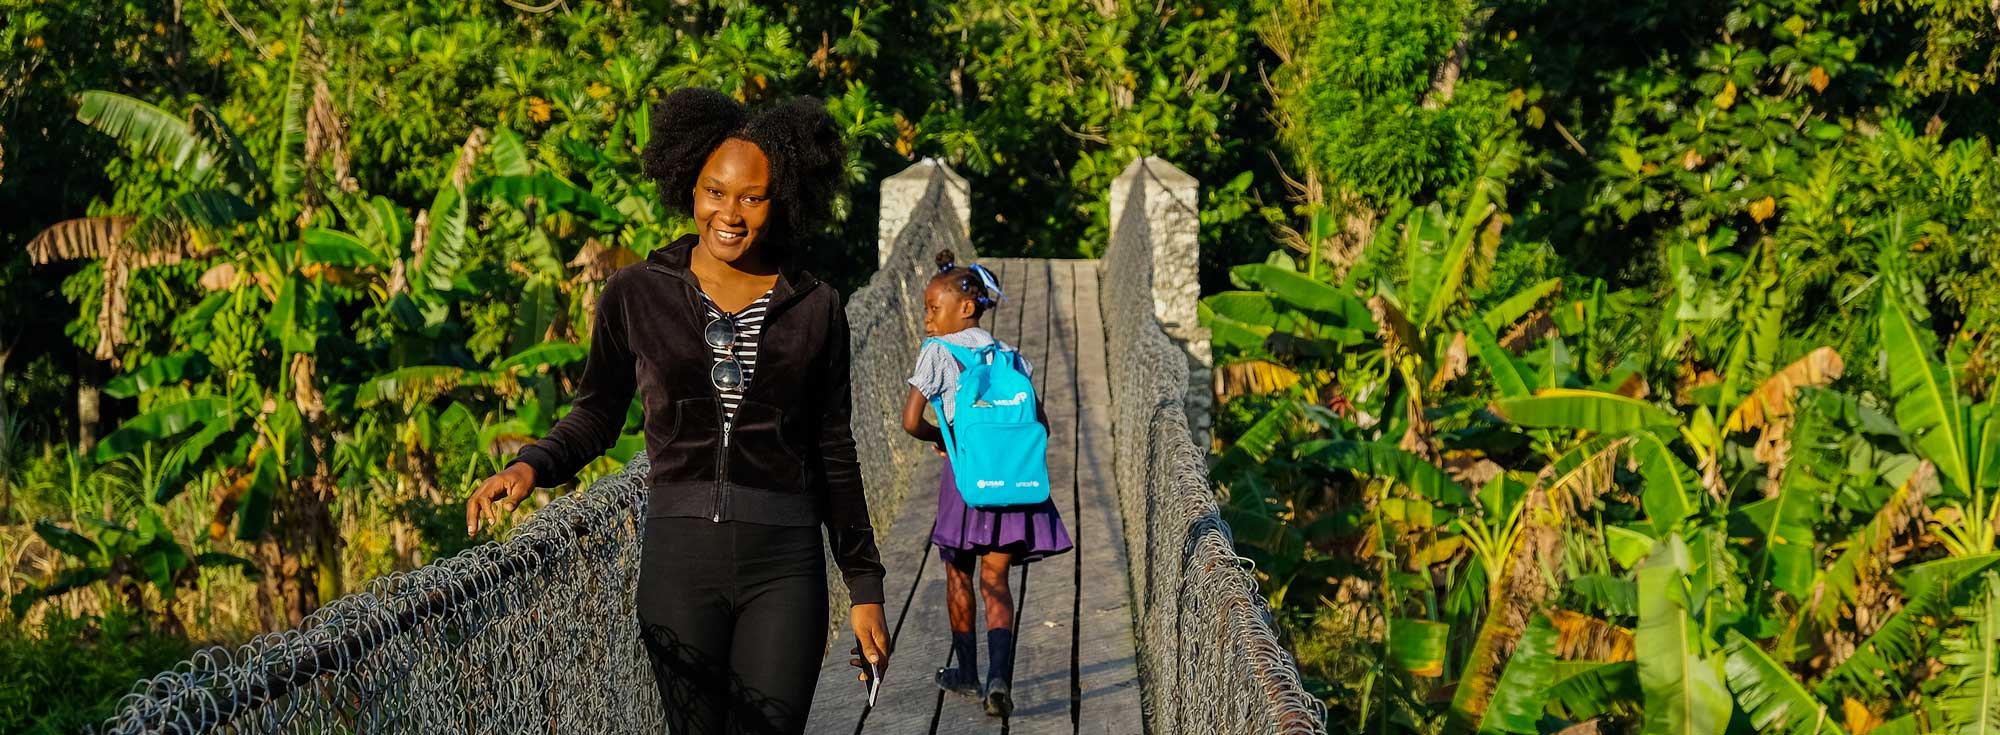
499,495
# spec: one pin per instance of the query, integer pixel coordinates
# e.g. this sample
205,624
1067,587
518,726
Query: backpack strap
937,401
967,356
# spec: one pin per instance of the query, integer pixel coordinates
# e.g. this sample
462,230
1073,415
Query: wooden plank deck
1075,669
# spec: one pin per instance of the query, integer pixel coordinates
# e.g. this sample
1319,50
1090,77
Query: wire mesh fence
1210,660
536,632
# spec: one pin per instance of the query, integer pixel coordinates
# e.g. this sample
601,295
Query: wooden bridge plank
1031,300
914,586
1106,658
1048,625
1005,323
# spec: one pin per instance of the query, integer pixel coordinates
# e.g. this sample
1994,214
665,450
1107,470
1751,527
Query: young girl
993,539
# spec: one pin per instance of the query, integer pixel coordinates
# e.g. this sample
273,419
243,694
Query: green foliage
1381,130
69,675
124,556
1708,425
1774,700
1683,688
1970,700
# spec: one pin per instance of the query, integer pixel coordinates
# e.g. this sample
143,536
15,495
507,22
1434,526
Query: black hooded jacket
787,460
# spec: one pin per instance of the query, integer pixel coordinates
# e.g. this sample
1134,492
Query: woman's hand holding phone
871,638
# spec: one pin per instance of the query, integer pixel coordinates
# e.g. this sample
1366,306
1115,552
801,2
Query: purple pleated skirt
1030,533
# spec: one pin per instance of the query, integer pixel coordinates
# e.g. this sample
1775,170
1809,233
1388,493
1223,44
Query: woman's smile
732,201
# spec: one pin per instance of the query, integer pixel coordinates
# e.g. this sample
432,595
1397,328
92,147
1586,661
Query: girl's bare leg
958,597
993,587
963,675
999,633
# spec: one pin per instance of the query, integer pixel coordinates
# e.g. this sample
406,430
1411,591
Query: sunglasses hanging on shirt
721,334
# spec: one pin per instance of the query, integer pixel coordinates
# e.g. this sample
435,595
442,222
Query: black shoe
958,681
999,699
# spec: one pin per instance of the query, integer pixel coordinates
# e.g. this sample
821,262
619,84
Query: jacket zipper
722,451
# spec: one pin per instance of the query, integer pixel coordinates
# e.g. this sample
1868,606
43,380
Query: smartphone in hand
874,682
871,676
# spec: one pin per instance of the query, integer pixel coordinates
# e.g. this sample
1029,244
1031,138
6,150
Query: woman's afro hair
798,136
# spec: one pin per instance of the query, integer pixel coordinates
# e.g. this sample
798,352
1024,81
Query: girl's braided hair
975,281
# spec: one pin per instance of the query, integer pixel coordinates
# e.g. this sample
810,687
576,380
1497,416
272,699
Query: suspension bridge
1152,625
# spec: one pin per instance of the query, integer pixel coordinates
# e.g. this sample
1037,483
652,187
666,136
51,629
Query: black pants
734,619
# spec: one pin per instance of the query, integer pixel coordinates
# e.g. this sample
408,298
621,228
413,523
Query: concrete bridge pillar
1166,202
902,193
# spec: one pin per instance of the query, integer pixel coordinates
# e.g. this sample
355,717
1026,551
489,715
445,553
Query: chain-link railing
534,633
537,633
886,318
1210,661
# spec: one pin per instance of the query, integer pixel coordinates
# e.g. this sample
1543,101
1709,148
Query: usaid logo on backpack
998,446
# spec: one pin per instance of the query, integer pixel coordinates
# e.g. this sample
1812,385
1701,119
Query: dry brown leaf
1537,326
1692,381
1818,78
1577,490
235,482
1424,556
84,238
1586,727
1773,399
1455,363
598,260
1254,377
1471,468
1635,386
222,277
111,310
304,394
1583,638
1901,516
1395,329
468,154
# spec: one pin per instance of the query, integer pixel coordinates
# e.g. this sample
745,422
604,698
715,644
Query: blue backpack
996,442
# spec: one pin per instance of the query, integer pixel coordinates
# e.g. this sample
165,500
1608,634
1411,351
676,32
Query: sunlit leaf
160,423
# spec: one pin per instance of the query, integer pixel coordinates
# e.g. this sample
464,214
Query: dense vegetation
1623,364
1632,368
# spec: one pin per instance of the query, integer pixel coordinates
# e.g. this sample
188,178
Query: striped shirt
749,324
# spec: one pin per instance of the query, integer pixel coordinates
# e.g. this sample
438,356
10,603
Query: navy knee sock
966,648
1000,657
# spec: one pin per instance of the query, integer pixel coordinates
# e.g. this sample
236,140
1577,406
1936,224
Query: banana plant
1969,701
217,171
124,556
1958,436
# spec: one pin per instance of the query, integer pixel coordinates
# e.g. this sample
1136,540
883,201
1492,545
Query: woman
741,361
